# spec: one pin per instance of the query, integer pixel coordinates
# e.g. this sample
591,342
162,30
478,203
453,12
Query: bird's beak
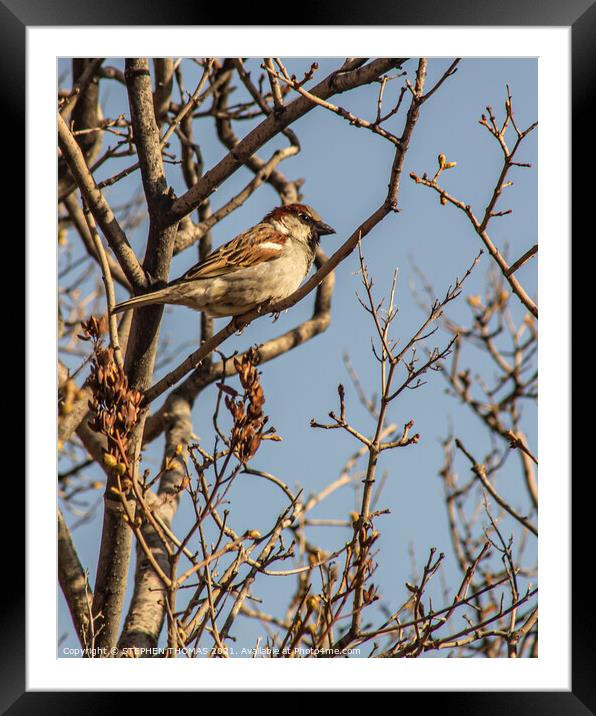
323,228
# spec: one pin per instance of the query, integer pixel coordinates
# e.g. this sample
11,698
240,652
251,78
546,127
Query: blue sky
346,172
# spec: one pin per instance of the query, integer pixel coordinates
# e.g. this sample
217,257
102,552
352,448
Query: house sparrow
264,264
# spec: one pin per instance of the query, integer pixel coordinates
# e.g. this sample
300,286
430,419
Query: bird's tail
162,295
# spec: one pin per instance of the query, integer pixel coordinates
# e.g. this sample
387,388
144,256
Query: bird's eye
306,217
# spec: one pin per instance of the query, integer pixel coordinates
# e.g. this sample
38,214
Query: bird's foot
263,308
239,326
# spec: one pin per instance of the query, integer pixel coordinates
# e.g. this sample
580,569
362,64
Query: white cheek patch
281,227
271,245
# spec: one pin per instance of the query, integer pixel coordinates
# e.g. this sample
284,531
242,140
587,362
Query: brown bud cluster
115,407
246,409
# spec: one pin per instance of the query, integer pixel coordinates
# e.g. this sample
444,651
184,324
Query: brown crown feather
280,211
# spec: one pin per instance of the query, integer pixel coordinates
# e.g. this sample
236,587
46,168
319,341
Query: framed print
296,333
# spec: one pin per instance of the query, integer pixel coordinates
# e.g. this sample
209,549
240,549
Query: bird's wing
257,245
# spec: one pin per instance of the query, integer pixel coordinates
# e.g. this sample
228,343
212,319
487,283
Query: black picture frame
580,15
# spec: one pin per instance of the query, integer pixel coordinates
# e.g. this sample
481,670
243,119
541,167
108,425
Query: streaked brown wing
257,245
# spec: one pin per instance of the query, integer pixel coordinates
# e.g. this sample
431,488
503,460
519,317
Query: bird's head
299,221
